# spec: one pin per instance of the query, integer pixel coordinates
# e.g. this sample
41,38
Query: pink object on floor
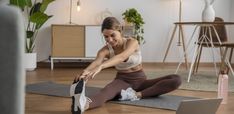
223,88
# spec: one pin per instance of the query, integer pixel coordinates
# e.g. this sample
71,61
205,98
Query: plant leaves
36,17
42,22
39,19
131,15
29,3
30,34
21,3
35,8
45,4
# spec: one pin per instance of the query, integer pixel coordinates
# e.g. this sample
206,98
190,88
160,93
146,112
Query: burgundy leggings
136,80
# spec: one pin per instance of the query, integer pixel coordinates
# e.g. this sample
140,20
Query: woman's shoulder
131,40
104,48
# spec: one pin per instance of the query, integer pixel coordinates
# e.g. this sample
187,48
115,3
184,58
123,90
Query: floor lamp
180,19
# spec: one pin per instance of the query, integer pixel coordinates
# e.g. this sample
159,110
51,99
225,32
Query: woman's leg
159,86
109,92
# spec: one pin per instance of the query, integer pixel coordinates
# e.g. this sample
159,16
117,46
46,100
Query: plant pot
30,61
126,23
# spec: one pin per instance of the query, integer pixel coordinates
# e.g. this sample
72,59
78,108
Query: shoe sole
72,107
75,91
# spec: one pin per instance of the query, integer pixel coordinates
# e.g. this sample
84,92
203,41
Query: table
209,25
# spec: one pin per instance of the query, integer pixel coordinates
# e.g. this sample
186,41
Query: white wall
159,16
232,19
232,10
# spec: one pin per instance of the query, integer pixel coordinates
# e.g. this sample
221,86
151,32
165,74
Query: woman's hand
89,74
93,72
82,75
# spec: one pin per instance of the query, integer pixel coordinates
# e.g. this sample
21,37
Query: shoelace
128,94
89,100
132,94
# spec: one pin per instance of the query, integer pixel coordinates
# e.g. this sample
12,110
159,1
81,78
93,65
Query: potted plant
132,16
35,18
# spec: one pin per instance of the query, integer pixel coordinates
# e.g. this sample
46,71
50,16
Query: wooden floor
41,104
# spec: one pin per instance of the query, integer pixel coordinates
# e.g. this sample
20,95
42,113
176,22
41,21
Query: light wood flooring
41,104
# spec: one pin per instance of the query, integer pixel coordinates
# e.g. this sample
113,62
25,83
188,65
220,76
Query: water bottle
223,87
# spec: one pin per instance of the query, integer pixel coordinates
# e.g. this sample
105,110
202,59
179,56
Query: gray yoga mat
170,102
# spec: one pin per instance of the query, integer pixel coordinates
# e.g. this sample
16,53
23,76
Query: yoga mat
170,102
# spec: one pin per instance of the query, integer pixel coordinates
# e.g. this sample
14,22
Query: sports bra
133,60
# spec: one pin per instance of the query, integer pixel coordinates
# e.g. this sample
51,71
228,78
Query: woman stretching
130,82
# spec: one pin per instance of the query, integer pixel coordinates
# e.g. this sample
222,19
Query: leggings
137,80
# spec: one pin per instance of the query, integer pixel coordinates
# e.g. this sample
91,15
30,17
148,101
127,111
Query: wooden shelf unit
68,41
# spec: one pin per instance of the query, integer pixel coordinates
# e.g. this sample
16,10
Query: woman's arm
101,55
131,46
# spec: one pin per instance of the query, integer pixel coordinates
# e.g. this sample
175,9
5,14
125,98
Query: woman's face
112,37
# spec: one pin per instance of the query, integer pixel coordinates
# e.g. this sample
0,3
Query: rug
202,81
170,102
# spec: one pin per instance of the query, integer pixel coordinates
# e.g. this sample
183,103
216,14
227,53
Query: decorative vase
208,14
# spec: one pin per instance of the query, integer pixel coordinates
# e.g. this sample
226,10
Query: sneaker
128,94
77,91
76,87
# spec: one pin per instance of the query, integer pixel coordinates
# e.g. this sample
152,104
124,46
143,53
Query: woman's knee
176,80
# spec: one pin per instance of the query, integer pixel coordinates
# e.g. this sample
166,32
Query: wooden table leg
183,42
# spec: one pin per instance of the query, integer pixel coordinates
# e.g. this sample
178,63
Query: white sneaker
77,91
128,94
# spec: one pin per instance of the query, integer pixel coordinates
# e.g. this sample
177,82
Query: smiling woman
130,82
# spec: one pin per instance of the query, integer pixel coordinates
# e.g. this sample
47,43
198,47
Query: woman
130,82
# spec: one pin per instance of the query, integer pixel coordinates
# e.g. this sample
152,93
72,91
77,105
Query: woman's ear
121,30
